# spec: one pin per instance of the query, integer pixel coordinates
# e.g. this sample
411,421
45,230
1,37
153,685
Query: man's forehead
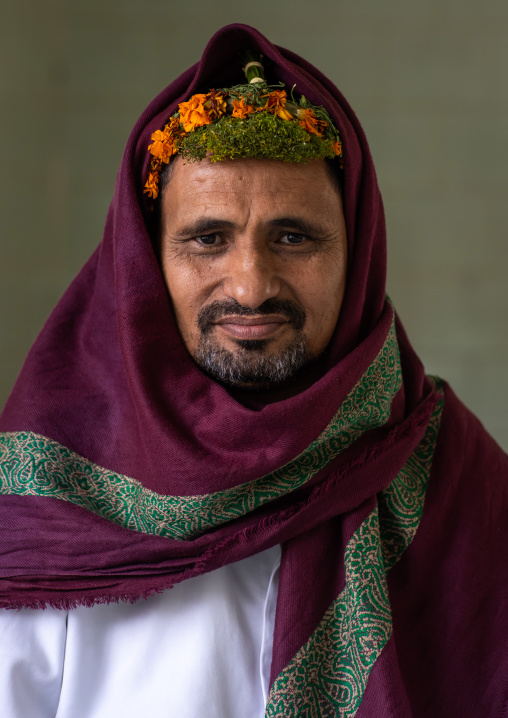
279,189
245,169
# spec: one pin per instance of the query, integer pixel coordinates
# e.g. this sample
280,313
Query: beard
252,366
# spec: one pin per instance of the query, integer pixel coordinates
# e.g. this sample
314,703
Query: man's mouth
252,327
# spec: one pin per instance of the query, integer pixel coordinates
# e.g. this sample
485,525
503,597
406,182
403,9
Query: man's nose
251,277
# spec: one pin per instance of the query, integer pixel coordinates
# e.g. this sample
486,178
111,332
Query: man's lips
261,327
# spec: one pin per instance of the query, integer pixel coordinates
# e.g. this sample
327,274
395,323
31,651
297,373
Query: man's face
254,254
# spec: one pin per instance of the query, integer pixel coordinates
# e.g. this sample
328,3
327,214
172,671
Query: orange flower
163,145
168,151
159,138
276,104
152,185
215,104
308,120
337,148
173,126
240,109
193,113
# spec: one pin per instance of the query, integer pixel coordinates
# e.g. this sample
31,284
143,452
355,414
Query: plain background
428,80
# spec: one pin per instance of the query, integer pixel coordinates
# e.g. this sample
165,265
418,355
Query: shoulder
449,591
468,462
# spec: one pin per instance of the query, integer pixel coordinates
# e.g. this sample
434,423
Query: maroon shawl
123,469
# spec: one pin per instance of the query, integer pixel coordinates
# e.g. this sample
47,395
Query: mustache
289,309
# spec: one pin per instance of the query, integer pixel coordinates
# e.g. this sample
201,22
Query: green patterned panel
328,675
33,465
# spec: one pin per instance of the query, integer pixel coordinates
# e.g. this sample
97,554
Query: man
225,388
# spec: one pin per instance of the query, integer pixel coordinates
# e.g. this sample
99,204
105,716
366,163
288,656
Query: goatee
253,366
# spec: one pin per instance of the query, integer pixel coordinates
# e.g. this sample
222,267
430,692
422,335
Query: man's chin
252,345
253,365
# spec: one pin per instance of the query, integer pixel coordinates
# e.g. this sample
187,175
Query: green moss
259,135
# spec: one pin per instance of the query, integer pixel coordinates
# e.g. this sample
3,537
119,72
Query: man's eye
292,238
208,240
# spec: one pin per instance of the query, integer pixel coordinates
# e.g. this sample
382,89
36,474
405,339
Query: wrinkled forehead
332,167
269,190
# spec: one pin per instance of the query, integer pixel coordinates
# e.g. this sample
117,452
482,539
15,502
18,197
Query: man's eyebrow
204,225
298,224
207,225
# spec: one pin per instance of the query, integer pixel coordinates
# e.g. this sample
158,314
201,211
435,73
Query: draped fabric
124,469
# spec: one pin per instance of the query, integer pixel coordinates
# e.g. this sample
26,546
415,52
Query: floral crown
253,120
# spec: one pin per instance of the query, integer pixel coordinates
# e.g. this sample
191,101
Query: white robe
201,650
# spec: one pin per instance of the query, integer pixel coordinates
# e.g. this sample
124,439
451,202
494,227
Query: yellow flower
276,104
193,113
152,185
308,120
240,109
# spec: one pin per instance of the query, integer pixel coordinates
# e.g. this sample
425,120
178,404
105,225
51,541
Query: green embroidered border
328,676
31,464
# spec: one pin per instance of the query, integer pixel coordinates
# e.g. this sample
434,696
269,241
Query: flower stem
252,66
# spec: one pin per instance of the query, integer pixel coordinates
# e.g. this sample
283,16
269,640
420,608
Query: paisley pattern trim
328,675
33,465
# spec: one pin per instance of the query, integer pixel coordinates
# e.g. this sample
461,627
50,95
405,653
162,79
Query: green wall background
427,79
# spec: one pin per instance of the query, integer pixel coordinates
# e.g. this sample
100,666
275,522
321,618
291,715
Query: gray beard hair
250,365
